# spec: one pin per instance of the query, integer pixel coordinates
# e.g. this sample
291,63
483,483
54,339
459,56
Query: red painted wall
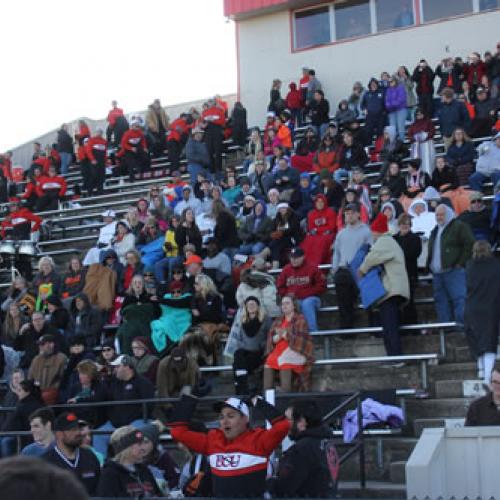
235,7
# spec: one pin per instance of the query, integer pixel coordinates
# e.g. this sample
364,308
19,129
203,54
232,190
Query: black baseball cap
66,421
297,252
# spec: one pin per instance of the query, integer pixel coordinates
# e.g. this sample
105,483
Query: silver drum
8,247
27,248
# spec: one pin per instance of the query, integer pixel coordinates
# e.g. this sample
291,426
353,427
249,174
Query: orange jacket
285,136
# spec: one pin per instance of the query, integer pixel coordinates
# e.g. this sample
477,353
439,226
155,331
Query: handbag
371,287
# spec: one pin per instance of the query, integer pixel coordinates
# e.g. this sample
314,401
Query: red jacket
238,466
214,115
133,138
301,282
83,132
31,189
7,167
46,183
96,145
81,153
43,162
177,129
21,216
322,221
113,115
474,73
294,97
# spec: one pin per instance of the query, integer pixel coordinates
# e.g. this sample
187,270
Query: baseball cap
108,213
271,114
480,90
133,437
66,421
193,259
46,338
297,252
352,206
124,360
235,403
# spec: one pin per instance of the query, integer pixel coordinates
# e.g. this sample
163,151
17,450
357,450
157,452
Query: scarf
252,327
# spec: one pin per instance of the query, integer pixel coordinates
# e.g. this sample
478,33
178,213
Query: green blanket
136,323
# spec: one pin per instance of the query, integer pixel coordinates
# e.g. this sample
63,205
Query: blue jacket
373,101
451,116
395,98
197,152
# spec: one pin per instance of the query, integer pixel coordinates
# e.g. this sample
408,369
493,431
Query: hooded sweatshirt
373,100
294,97
423,223
322,221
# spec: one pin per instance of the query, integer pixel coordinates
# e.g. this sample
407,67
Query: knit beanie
379,225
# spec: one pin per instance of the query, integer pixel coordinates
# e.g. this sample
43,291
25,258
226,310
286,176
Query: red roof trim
235,7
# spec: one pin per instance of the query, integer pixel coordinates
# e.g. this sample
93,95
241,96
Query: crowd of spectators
187,271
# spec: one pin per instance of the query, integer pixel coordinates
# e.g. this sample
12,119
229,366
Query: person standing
319,109
387,253
96,149
451,115
64,148
450,246
309,469
157,122
395,103
423,76
349,240
113,115
68,453
482,314
214,120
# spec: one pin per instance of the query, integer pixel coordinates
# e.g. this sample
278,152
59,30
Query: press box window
312,27
394,14
439,9
352,19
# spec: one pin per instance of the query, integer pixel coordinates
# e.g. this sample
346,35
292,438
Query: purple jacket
395,98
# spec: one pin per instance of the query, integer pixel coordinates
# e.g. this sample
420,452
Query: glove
183,410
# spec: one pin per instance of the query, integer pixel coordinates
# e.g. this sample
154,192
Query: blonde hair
481,250
46,260
206,285
246,317
130,289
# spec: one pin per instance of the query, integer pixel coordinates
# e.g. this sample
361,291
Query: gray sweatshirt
348,242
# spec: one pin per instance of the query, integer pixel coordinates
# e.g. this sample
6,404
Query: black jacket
185,235
118,390
87,471
87,322
117,481
64,142
27,342
308,469
210,309
353,156
18,420
319,112
412,247
451,116
225,231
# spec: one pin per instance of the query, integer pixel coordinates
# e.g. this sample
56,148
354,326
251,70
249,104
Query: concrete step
436,408
397,472
374,489
453,371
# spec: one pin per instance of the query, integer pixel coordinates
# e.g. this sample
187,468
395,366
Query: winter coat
171,378
209,307
117,481
294,97
319,112
373,101
27,343
301,282
344,116
73,283
261,183
18,420
456,245
307,146
293,179
482,314
460,155
308,469
474,73
47,371
489,158
445,73
248,233
155,121
239,125
395,98
225,231
479,222
87,322
387,253
353,156
197,152
452,115
100,286
424,78
64,142
411,244
263,288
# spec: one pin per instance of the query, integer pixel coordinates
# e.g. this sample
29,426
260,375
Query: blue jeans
101,441
252,248
320,131
477,178
65,162
167,263
398,119
194,169
449,295
309,306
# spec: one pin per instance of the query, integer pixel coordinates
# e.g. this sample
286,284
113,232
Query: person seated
285,235
30,196
47,282
57,315
20,223
73,281
163,267
352,154
385,195
255,232
14,319
85,320
217,261
289,350
305,151
422,220
393,180
260,179
206,304
332,189
305,282
146,363
106,234
484,410
247,341
478,217
137,313
351,196
362,188
486,111
273,195
488,164
321,231
327,156
188,200
122,242
50,189
391,214
445,180
302,198
245,209
252,148
107,355
134,266
416,181
29,400
41,426
286,179
231,192
47,368
133,150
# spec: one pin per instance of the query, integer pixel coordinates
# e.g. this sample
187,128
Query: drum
27,248
8,247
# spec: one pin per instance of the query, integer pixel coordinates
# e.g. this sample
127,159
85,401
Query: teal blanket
173,324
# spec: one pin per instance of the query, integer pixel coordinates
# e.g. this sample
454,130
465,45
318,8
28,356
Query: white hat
108,213
271,114
283,204
236,404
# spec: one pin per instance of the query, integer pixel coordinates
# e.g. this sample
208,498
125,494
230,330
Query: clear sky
64,59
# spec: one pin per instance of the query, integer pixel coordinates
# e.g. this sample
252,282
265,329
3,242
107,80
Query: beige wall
265,53
24,152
